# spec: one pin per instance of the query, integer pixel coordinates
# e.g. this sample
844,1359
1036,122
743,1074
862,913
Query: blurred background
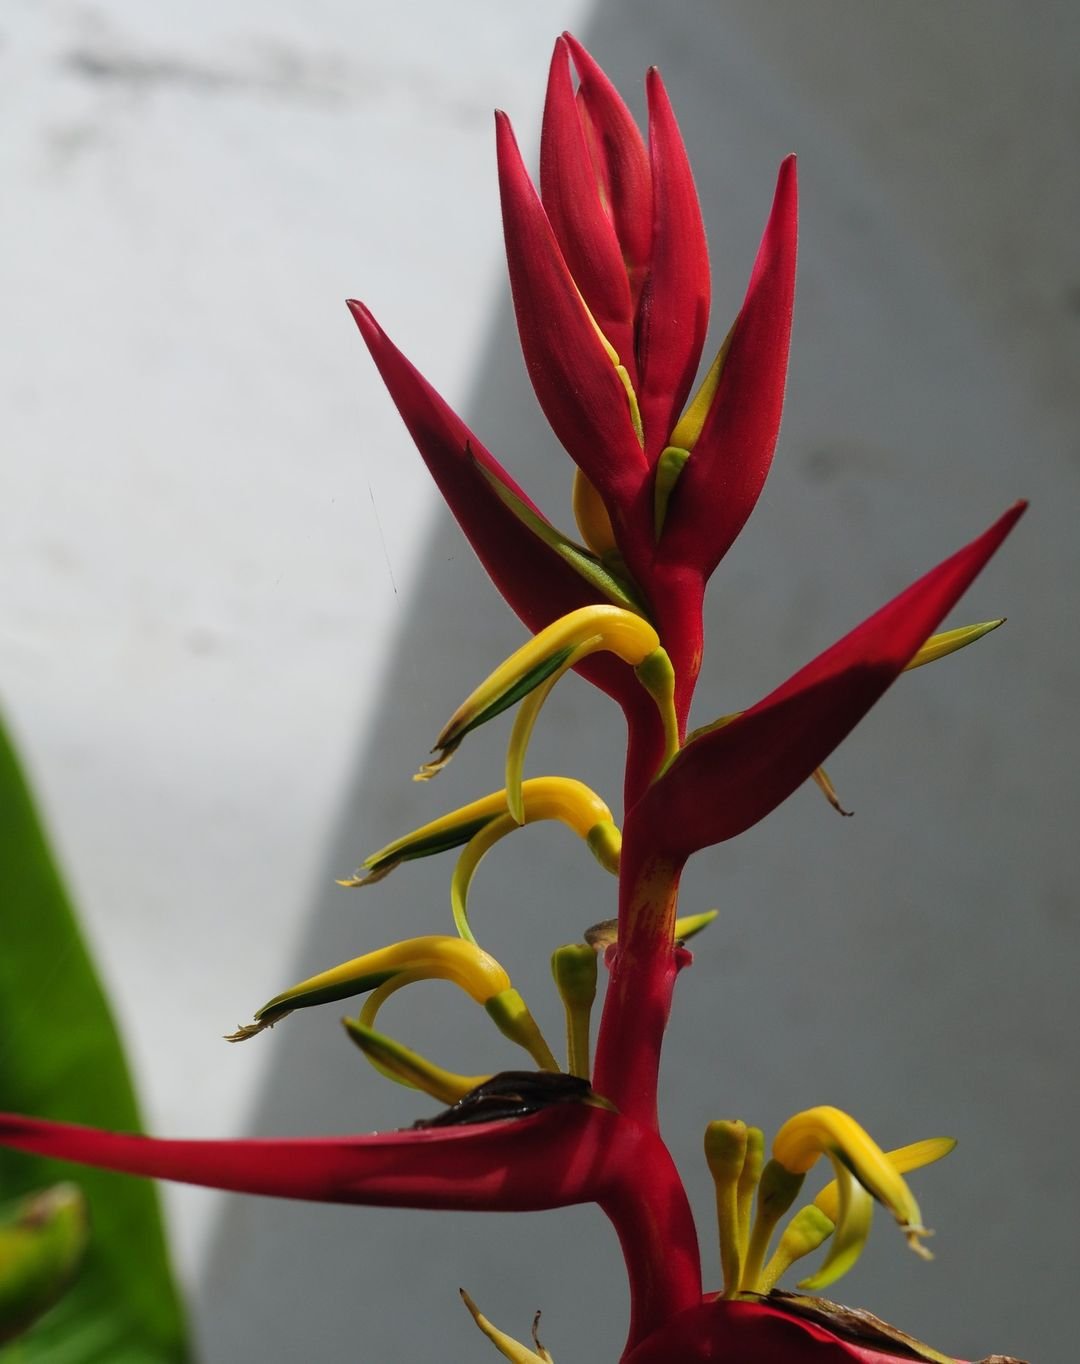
234,616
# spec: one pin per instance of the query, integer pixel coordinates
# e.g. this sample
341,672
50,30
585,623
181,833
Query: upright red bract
610,278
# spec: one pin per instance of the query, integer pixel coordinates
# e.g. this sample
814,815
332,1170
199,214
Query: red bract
574,377
567,1155
610,279
730,459
751,1331
571,183
674,313
730,776
538,584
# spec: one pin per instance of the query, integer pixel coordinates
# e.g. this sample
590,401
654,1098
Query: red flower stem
643,970
646,1203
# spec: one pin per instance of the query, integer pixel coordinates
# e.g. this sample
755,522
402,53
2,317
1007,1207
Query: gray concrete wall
222,689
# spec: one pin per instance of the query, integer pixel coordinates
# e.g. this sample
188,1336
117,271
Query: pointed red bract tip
730,461
620,148
575,381
674,313
571,193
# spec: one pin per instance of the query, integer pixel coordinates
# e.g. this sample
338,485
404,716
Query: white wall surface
233,614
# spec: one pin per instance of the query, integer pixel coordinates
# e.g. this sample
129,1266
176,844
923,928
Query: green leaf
60,1057
42,1241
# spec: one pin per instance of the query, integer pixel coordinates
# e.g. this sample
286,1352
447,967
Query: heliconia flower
613,336
610,277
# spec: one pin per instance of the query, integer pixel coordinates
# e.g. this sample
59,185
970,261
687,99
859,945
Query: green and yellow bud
807,1231
408,1067
42,1240
511,1016
451,830
566,641
574,969
725,1155
433,957
777,1189
669,466
560,798
748,1183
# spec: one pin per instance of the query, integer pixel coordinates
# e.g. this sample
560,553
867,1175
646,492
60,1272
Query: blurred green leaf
60,1057
42,1241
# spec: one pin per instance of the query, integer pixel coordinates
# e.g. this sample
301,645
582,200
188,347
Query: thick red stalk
643,970
646,1203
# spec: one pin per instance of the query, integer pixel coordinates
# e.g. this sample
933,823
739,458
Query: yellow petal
855,1214
828,1131
807,1231
902,1159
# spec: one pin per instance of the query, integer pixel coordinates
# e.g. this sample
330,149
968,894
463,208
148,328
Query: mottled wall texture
233,613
